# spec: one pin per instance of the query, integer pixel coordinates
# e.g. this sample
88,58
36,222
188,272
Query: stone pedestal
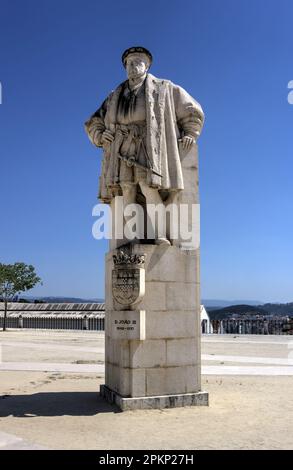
153,356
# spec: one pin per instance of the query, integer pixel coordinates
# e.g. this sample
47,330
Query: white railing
55,322
248,327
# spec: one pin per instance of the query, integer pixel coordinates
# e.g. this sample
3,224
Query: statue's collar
136,87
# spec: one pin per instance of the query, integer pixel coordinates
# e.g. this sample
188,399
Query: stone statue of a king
148,129
144,127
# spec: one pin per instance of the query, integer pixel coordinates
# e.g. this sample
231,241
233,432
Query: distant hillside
214,303
279,309
250,310
236,310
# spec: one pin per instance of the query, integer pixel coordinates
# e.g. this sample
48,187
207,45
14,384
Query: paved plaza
48,396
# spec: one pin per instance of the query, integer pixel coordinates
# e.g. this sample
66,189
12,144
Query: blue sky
59,59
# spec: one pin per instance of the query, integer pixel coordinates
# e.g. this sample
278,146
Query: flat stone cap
136,50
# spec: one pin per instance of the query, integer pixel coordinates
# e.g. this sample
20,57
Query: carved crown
123,258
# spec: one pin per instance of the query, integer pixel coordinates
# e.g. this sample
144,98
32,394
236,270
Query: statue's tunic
146,125
131,122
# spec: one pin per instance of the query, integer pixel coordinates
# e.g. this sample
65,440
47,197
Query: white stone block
118,379
181,296
137,382
182,352
149,353
171,380
192,258
192,378
155,296
117,352
169,264
170,324
165,264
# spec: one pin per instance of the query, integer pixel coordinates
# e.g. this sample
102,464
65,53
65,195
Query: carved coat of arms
128,278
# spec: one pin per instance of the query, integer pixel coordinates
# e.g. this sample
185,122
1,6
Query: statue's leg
172,222
158,226
172,197
129,191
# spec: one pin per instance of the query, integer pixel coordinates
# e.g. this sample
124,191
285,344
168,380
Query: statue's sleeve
95,126
189,113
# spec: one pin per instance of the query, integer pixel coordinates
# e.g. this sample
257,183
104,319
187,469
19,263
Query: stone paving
48,396
242,364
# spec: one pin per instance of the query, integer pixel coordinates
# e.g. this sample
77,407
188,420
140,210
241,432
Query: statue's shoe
162,241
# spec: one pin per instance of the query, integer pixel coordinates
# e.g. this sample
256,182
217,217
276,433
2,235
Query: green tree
15,278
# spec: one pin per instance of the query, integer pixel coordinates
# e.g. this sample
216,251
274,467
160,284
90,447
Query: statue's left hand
187,142
107,137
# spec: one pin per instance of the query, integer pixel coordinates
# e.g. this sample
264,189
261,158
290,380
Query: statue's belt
132,132
130,161
134,129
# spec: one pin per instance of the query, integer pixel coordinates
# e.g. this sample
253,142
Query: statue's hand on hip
187,142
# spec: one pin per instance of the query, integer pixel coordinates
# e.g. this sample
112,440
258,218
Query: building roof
60,310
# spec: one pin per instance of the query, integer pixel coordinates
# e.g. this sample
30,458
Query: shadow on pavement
55,404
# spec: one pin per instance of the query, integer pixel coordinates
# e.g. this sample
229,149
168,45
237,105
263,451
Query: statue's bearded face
136,65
